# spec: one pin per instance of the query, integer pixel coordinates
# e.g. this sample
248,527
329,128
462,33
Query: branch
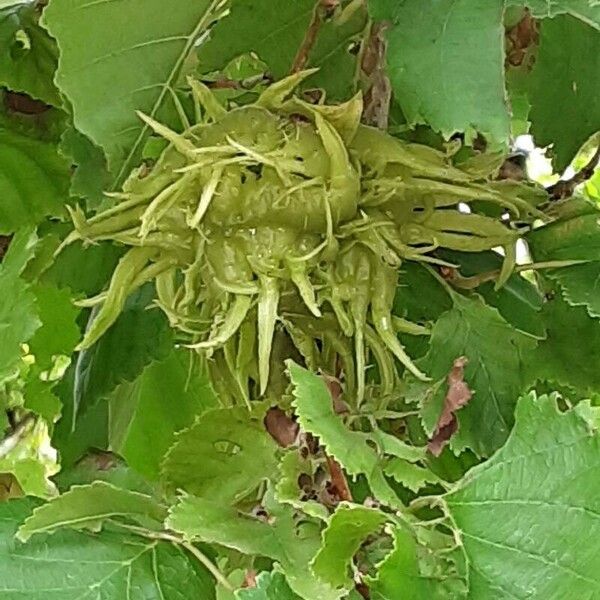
565,188
379,94
322,8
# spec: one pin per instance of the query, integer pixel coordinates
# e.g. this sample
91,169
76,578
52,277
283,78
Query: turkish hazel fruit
284,215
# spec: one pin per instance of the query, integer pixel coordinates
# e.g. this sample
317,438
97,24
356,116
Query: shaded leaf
349,526
565,85
59,332
269,586
277,537
137,337
527,517
29,55
275,37
103,80
570,353
87,507
495,373
223,456
437,77
68,564
146,414
34,181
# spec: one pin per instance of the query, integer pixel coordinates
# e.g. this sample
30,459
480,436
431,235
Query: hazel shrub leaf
103,80
527,517
224,455
495,373
88,506
463,90
69,564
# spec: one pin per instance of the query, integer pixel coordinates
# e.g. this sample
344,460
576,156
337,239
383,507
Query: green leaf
146,414
88,506
402,573
138,337
352,449
59,332
279,538
575,238
85,271
561,72
31,475
91,177
527,517
496,353
349,526
518,301
34,181
288,491
68,564
585,10
18,319
276,36
446,63
223,456
40,398
580,285
409,475
570,353
269,586
28,58
103,80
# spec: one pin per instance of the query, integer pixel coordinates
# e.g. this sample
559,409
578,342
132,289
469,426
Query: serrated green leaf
495,373
580,285
518,300
73,438
103,80
401,575
88,506
587,11
29,55
561,72
437,77
412,476
40,398
528,516
69,564
146,414
34,181
352,449
574,238
30,474
91,177
223,456
275,36
59,332
269,586
570,353
349,526
85,271
278,538
18,319
139,336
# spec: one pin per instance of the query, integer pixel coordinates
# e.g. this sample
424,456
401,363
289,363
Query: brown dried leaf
283,429
457,396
